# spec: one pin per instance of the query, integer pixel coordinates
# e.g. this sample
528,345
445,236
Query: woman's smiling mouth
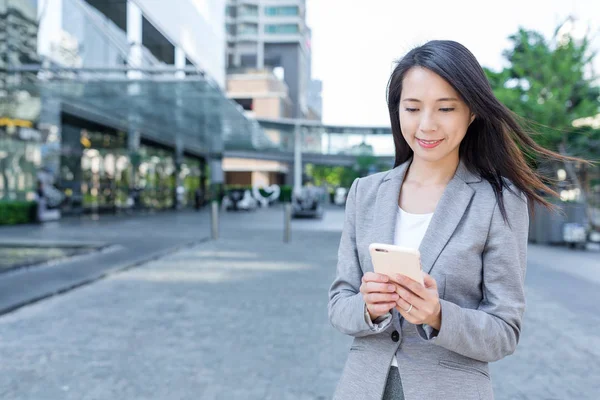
429,144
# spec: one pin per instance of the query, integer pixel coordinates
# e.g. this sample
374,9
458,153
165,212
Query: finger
371,287
373,298
411,298
375,277
409,317
430,283
405,306
413,286
374,286
380,308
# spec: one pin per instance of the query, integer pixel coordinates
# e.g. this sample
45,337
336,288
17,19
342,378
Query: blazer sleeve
346,304
491,332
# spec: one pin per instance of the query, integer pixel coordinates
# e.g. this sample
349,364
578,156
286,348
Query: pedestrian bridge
275,139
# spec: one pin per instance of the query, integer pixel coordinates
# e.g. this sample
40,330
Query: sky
355,43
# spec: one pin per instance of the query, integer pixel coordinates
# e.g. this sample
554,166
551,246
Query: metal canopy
192,109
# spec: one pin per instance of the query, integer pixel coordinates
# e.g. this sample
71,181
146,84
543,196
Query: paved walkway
126,241
245,318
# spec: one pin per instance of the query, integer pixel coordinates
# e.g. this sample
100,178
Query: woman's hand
425,301
379,294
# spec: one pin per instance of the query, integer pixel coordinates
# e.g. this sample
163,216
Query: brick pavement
246,318
240,318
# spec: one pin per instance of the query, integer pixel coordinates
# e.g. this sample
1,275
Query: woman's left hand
425,301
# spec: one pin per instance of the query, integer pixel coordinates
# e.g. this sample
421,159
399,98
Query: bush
17,212
285,195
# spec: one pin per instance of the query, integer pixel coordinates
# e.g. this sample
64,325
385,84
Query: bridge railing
316,138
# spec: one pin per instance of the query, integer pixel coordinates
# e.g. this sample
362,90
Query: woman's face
433,117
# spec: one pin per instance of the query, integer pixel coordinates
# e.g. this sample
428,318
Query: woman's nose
428,124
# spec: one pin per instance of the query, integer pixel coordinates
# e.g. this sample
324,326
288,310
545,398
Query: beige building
262,94
246,172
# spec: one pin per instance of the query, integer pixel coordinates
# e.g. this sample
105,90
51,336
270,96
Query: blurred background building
110,106
114,104
272,34
269,75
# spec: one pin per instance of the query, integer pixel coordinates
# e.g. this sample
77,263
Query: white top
410,230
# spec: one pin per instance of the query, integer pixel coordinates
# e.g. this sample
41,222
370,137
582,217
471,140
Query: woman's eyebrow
442,99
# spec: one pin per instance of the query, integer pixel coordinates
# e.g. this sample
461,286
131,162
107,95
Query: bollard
287,222
214,220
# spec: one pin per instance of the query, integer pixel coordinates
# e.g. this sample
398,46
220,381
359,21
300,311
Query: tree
344,176
551,84
546,83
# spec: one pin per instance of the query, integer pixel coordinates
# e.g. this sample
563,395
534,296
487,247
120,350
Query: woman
459,192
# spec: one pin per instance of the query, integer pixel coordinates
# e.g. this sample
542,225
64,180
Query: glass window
292,10
282,11
104,169
116,11
248,29
19,162
156,177
191,174
249,10
248,60
282,28
157,43
81,26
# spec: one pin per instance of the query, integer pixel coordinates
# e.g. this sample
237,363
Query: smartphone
391,260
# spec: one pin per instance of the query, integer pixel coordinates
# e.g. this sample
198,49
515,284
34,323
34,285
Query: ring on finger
409,308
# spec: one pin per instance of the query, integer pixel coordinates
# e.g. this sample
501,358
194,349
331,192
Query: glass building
109,112
111,106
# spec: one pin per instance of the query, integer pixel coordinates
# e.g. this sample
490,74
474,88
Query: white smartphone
390,260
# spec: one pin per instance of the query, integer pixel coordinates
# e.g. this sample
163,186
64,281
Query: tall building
315,101
114,103
269,34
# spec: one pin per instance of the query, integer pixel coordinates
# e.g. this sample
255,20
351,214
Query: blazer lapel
447,215
386,205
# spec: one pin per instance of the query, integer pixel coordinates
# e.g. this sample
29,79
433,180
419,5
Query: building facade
269,75
261,93
113,105
267,34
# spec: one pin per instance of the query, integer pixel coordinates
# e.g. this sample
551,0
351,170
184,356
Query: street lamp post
297,159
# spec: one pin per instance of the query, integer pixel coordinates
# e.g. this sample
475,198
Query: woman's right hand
379,294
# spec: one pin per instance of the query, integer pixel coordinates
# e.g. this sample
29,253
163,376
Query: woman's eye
411,109
446,109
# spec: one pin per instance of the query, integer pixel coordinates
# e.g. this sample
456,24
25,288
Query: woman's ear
472,119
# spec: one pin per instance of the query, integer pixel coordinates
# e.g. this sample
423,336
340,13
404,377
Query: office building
269,34
115,105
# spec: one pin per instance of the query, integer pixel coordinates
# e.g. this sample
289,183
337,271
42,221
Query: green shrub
285,195
17,212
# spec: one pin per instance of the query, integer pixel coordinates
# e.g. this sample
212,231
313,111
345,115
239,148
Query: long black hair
495,144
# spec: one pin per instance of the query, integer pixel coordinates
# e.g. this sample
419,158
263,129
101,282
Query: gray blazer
479,264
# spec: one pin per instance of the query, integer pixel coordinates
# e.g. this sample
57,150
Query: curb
101,249
155,256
